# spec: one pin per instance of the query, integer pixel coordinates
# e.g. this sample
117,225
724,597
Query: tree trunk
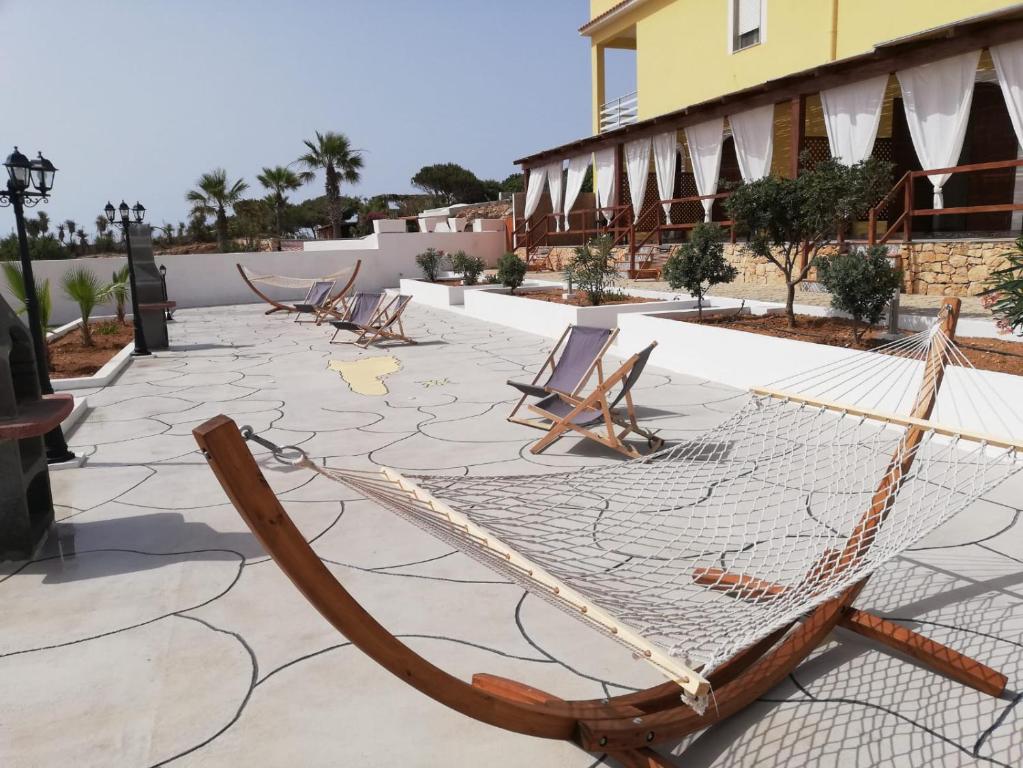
699,307
333,190
222,230
790,301
86,333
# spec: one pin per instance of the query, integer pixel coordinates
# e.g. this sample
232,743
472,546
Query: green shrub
699,264
469,267
1005,296
511,271
430,262
119,289
861,283
594,270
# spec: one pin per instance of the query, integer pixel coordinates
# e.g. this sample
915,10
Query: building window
747,18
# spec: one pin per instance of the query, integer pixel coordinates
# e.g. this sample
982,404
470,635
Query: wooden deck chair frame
313,309
359,330
625,726
386,324
612,419
549,363
277,306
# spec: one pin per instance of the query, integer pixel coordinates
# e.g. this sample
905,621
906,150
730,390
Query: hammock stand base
626,726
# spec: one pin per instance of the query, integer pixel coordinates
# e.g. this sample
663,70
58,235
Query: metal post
56,446
141,349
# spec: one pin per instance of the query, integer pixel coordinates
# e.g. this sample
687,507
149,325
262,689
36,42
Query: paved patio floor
153,630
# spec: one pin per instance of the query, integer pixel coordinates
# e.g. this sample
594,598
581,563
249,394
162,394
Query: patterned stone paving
153,630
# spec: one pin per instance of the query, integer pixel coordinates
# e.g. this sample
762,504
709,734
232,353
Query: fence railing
618,112
904,187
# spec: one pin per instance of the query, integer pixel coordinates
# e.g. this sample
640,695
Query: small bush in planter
430,262
511,271
860,283
1005,296
594,270
469,267
699,264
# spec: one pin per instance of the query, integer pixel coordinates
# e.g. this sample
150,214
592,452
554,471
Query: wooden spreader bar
925,425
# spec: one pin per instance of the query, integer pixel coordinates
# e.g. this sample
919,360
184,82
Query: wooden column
798,132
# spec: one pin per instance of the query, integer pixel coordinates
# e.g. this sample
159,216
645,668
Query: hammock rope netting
696,552
302,283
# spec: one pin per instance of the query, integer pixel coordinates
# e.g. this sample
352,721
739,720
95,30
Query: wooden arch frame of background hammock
277,306
622,726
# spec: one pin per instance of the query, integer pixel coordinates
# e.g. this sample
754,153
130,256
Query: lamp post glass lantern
28,184
125,222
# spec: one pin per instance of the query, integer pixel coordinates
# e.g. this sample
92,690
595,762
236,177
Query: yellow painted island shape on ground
365,376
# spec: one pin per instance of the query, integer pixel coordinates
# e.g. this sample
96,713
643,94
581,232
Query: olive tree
860,283
789,221
699,264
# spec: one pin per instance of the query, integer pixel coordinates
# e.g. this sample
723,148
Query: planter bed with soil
717,350
983,353
72,364
544,312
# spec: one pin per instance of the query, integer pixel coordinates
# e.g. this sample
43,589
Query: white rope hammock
692,554
282,281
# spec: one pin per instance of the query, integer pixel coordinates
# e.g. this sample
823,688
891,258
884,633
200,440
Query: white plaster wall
745,360
440,295
549,319
211,279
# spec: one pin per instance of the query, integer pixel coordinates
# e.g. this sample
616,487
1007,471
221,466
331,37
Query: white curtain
753,133
534,191
577,167
665,162
937,97
1008,59
704,141
637,169
555,184
852,114
604,167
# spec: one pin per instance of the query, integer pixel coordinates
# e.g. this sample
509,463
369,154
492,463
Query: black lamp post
137,211
28,184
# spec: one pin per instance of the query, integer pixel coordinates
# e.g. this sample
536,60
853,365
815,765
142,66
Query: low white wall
745,360
440,295
546,318
211,279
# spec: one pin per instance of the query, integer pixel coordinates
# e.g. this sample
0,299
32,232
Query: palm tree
334,154
85,289
280,180
119,291
82,239
44,222
213,196
101,224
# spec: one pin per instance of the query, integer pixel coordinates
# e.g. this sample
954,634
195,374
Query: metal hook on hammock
290,455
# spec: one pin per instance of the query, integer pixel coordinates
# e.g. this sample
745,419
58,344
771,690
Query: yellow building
730,90
690,51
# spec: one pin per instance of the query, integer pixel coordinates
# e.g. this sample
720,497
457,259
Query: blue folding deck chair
359,315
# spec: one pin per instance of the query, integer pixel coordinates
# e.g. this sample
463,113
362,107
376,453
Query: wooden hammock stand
277,306
625,727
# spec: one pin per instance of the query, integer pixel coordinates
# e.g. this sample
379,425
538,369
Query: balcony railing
618,112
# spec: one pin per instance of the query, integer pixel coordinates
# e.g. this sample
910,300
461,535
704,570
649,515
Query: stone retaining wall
934,268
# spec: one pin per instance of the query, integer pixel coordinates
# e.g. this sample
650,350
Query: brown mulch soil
987,354
444,281
579,299
69,358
